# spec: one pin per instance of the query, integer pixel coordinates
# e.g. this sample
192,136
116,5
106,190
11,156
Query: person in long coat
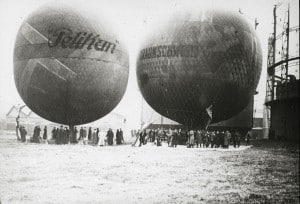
121,136
247,138
102,136
203,136
191,138
234,135
53,133
80,133
75,135
90,133
45,133
84,132
110,137
152,135
118,141
174,138
84,137
169,137
97,135
213,138
238,138
56,133
142,138
226,139
60,135
218,139
23,133
198,139
66,136
222,136
36,134
160,134
94,137
181,137
206,139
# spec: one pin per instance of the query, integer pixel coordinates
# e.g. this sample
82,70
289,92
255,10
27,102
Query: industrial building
282,91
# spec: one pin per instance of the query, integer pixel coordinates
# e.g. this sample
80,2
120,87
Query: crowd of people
192,138
66,135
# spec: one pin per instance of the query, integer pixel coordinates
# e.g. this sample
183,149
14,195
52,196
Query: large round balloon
67,68
200,67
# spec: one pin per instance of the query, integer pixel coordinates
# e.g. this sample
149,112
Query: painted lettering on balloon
66,38
193,51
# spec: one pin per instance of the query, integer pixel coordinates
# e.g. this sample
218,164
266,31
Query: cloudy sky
132,20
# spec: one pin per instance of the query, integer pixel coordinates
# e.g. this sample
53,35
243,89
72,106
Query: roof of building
13,112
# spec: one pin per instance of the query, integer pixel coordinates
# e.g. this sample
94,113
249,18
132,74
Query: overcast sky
132,20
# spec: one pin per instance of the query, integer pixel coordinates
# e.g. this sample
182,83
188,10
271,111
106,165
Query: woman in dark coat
53,133
75,135
59,136
118,141
66,136
36,134
121,136
90,133
45,133
80,133
110,137
97,136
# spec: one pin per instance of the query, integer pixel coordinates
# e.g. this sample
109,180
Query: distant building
112,120
165,123
257,129
27,118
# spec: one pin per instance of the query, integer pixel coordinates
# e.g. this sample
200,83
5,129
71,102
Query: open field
31,173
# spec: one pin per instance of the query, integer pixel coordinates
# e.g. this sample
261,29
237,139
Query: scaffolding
280,86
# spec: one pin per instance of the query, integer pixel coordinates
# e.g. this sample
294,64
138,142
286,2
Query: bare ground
268,172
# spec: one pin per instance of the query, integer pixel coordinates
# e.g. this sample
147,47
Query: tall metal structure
282,96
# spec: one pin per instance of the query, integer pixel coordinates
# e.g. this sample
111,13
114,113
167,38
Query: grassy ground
268,172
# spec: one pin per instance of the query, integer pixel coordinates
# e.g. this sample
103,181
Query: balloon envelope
67,68
200,67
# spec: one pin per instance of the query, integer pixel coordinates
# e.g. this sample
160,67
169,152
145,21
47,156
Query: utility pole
287,44
287,31
274,51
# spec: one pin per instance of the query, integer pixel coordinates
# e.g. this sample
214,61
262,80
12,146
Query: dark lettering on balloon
67,39
193,51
